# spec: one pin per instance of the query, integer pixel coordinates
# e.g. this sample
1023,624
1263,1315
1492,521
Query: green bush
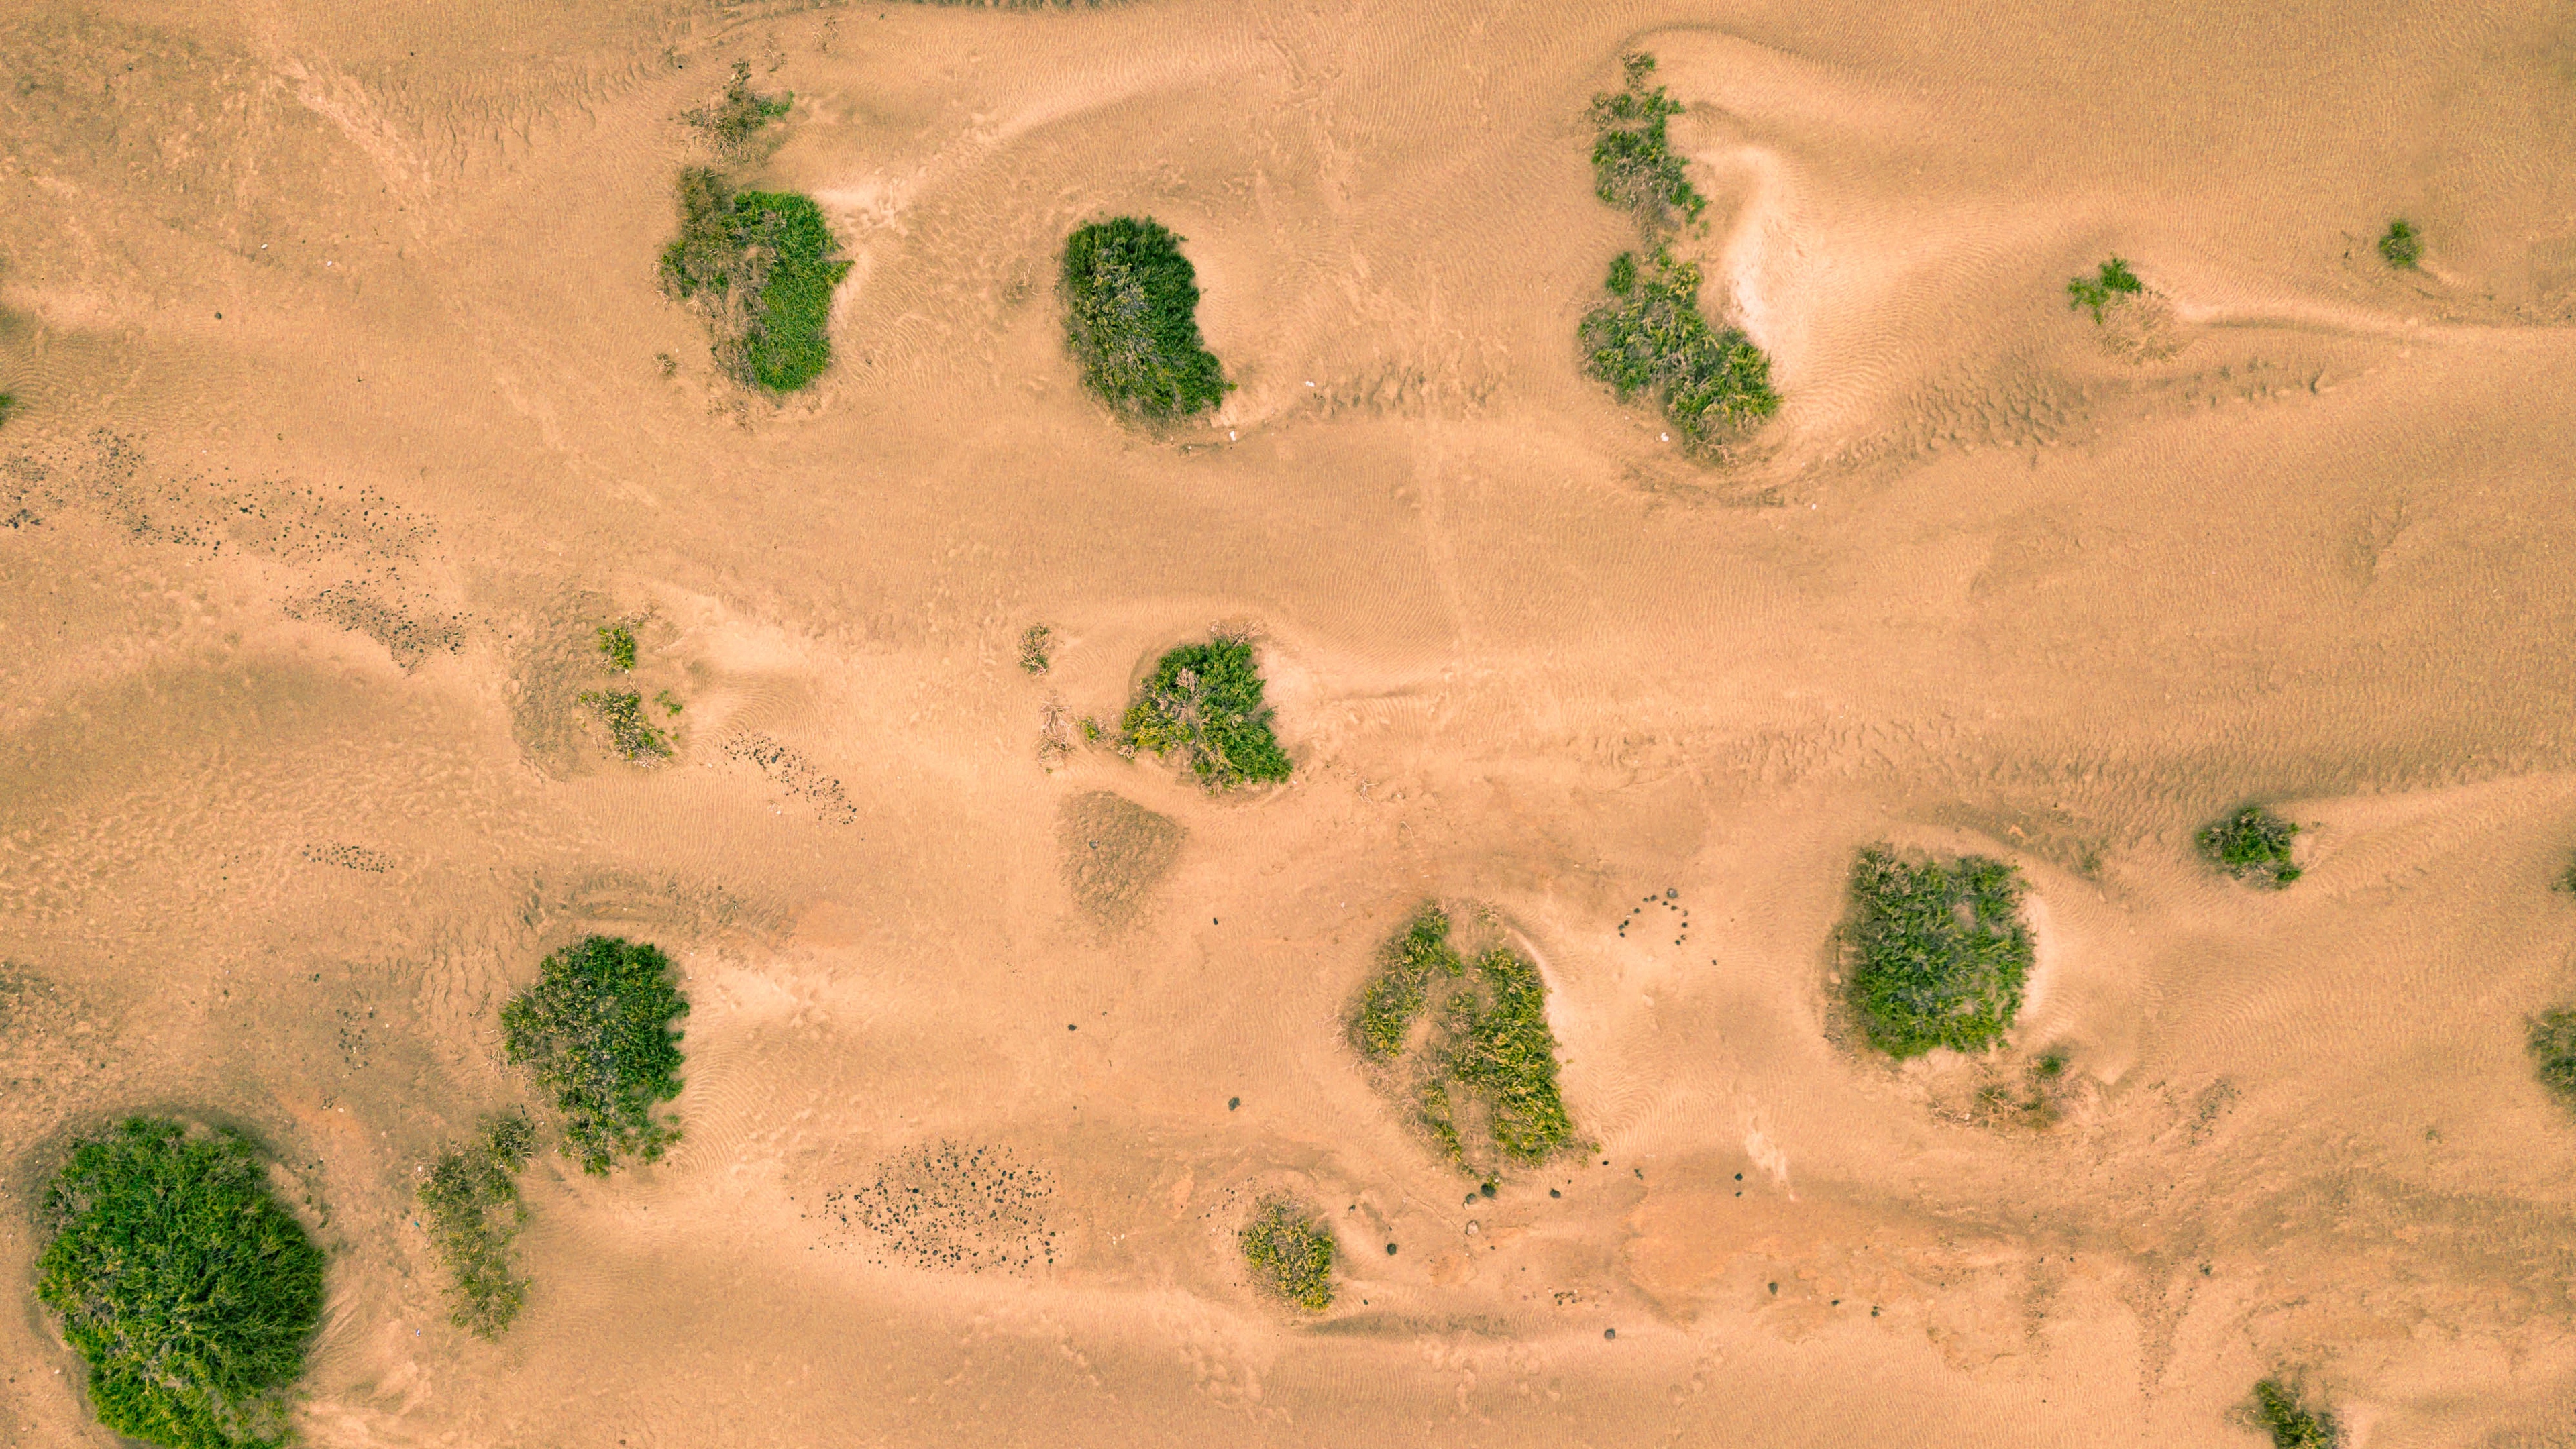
1937,951
733,121
1131,305
760,266
1204,701
2292,1424
1633,164
634,736
1397,994
192,1295
596,1031
1489,1059
2553,1052
1649,337
2096,292
1033,648
2402,246
1291,1254
617,642
471,1202
2251,843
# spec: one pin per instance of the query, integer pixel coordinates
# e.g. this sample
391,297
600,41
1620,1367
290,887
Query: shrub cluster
1395,997
2403,246
2553,1052
2251,843
1937,951
634,736
2113,280
1486,1070
470,1201
596,1031
1034,642
760,266
734,121
1204,701
1291,1253
1633,165
192,1295
2292,1424
617,644
1131,305
1649,337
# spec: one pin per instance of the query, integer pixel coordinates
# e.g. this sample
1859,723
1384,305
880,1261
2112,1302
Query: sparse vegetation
1033,648
1649,337
2566,879
732,122
1291,1254
2112,281
1396,996
2402,246
596,1031
1204,701
670,703
634,737
1485,1070
617,642
2553,1052
2292,1424
1131,316
1937,951
760,266
470,1207
8,403
1633,165
2034,1103
2251,844
192,1295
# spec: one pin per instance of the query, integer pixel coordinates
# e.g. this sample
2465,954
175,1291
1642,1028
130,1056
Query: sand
341,428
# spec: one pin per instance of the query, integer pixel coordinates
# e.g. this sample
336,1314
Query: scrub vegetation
2251,844
596,1031
2291,1423
2112,281
1471,1043
469,1205
1291,1254
2553,1052
1936,951
1034,642
1649,337
617,644
1633,165
192,1295
1203,701
2402,246
1131,305
760,267
634,736
733,122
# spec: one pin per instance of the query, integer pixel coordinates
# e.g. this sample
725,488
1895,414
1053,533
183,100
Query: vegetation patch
1131,303
1290,1251
760,266
2402,246
1115,852
1633,165
1469,1041
2251,844
734,121
192,1295
2553,1052
2035,1102
470,1207
1649,337
617,644
1034,642
1203,701
634,737
2112,281
2291,1423
1937,951
596,1031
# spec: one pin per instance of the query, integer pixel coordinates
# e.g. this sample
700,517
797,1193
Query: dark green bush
1489,1059
760,265
733,121
2402,246
2553,1052
1633,165
1204,701
2253,844
190,1292
1291,1253
1937,951
2292,1424
2096,292
1649,337
470,1201
596,1031
1131,305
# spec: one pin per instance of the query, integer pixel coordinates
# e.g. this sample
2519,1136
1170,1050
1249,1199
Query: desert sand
341,426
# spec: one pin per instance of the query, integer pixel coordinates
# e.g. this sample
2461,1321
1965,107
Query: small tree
2251,843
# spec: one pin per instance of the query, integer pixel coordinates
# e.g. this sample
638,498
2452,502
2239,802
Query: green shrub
1486,1071
2553,1052
470,1200
1937,951
1131,316
192,1295
733,121
1033,648
2292,1424
760,266
634,736
2566,879
1504,1050
1291,1254
596,1031
1633,165
1396,996
2096,292
1649,337
8,401
2251,843
1204,701
618,643
2402,246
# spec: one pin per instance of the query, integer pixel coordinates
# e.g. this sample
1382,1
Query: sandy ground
341,427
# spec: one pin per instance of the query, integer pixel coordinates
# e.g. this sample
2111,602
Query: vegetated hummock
2402,246
2251,843
635,737
2292,1424
1033,648
735,120
760,266
2553,1052
192,1295
2112,281
1483,1067
596,1031
1290,1251
1937,951
1649,337
1131,304
1203,701
1633,165
470,1207
617,643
